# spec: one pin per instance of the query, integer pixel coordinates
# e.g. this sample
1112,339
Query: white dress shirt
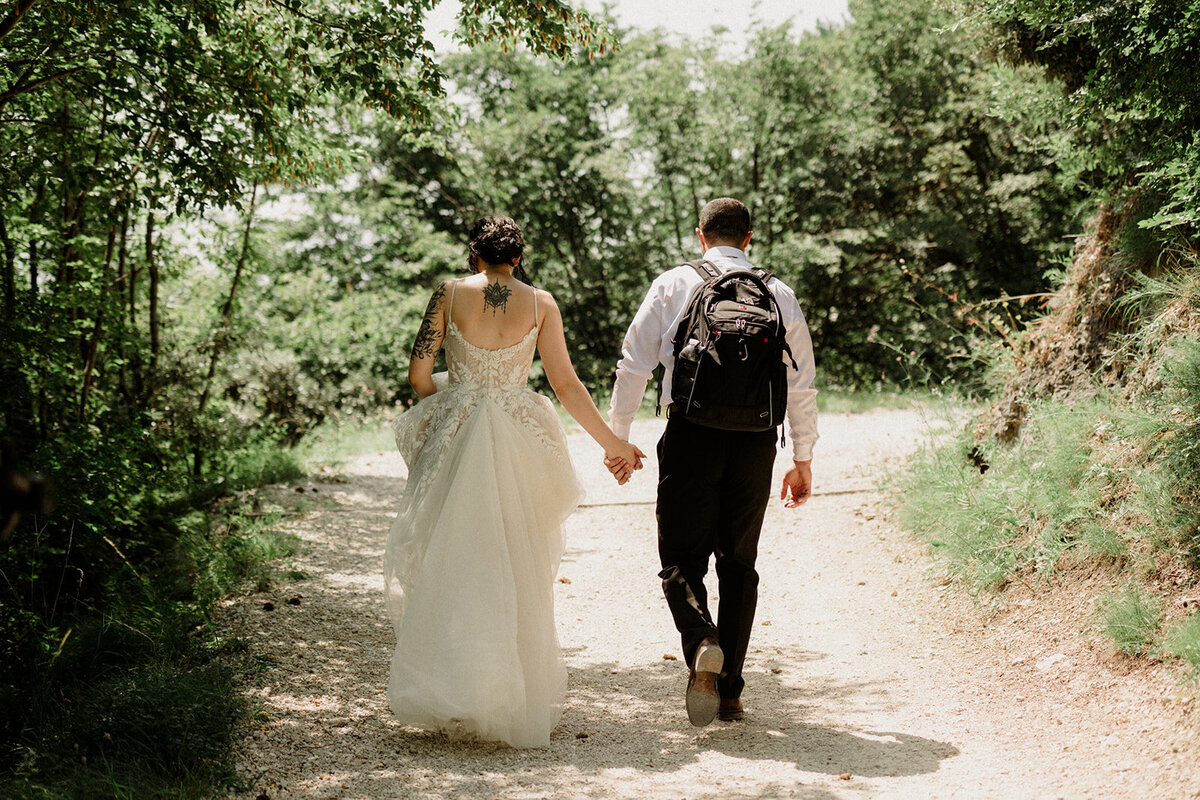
648,344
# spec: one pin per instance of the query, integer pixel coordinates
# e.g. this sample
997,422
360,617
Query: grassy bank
1102,486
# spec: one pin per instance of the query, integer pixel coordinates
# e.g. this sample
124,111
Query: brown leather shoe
702,698
730,709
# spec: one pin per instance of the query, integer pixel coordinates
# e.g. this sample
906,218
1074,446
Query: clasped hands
622,462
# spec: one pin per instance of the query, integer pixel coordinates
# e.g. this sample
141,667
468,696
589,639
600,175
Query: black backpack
729,347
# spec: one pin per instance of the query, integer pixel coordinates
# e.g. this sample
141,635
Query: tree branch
299,12
222,336
21,89
14,17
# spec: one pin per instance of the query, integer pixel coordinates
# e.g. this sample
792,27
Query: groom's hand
798,483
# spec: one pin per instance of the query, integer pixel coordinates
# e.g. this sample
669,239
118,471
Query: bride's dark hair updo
496,239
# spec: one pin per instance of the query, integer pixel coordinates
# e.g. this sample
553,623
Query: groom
713,484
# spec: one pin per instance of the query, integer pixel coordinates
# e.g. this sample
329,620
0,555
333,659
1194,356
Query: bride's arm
570,390
428,343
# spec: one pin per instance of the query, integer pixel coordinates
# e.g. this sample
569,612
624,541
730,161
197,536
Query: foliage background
220,221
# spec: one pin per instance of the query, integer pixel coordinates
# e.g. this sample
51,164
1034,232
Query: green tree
883,183
121,124
1125,70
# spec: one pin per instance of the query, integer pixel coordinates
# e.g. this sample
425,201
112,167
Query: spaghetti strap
450,307
536,324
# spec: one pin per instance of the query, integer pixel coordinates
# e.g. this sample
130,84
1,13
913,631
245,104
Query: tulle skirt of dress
471,561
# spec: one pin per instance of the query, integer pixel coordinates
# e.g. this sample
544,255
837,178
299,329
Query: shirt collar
726,253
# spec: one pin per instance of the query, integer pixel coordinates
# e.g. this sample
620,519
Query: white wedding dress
472,557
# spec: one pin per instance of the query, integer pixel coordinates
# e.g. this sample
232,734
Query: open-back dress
472,556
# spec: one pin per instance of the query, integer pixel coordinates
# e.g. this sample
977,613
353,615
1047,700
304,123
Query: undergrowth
1182,640
835,400
335,442
1000,514
1131,618
137,696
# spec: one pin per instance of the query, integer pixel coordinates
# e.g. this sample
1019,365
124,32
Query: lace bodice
476,376
506,368
494,381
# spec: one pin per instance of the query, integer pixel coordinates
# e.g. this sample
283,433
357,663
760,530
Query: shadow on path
325,730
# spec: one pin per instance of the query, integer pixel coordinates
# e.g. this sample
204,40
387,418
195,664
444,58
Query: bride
472,556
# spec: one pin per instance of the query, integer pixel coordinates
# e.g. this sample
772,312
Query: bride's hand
622,460
620,469
629,453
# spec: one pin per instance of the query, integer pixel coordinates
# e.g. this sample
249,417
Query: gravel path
867,677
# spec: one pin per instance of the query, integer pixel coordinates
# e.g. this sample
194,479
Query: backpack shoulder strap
705,269
694,308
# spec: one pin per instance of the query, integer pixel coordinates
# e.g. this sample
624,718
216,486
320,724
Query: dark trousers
713,488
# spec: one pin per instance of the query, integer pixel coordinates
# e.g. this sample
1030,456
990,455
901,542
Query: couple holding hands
472,556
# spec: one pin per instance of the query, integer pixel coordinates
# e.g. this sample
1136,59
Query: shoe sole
702,699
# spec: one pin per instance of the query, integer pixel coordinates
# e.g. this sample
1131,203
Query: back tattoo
495,296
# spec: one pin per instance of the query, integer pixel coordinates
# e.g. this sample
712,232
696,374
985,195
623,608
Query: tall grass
1131,619
1177,442
1114,480
997,514
1182,640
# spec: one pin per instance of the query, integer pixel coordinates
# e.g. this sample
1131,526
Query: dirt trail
867,678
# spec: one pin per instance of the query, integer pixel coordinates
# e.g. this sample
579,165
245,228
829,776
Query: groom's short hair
725,220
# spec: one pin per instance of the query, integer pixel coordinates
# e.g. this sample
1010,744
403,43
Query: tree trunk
152,271
669,179
668,174
10,269
761,214
132,277
695,198
70,211
122,261
222,335
72,221
35,213
93,344
135,363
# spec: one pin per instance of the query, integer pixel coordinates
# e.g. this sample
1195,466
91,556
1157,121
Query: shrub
1131,619
1182,640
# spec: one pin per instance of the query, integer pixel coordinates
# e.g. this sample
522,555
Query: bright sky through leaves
691,18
